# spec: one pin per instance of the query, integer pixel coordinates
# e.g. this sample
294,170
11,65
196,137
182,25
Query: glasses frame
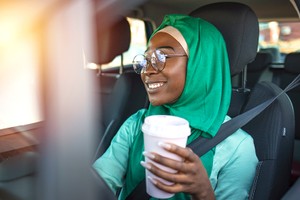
150,61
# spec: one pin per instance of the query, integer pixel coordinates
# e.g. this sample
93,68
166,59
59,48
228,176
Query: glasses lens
139,63
160,60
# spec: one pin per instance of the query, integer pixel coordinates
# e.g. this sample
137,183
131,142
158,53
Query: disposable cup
167,129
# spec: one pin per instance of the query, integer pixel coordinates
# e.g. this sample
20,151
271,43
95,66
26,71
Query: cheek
177,83
177,88
143,78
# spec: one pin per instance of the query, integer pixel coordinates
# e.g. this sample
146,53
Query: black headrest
292,63
113,41
239,27
261,62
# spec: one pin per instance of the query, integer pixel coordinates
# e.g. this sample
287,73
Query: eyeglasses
157,59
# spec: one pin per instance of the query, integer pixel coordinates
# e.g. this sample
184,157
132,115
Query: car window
137,44
19,77
279,38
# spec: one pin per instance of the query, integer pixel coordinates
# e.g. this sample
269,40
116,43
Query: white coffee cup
166,129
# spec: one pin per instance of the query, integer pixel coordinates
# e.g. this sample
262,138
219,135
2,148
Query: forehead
162,39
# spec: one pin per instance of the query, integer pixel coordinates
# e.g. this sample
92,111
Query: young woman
186,73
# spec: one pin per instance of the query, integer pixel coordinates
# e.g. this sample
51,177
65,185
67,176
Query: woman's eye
161,57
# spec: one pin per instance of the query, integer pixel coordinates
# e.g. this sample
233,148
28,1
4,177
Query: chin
155,103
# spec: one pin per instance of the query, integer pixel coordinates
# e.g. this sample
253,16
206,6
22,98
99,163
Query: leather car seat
273,129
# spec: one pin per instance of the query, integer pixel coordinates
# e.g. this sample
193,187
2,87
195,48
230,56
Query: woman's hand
191,176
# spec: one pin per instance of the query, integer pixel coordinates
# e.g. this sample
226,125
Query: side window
279,38
19,78
137,45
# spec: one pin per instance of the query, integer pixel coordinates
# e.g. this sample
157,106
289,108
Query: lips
154,85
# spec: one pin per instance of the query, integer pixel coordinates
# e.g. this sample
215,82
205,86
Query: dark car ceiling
264,9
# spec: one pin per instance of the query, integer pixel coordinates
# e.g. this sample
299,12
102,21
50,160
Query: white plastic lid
166,126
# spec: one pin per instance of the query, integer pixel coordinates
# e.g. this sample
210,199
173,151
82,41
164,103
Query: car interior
262,43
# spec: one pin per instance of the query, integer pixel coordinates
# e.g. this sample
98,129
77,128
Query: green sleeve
112,165
234,167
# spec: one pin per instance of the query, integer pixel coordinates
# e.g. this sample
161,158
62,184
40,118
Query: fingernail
148,155
145,165
164,145
152,180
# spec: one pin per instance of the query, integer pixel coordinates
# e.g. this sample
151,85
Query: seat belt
202,145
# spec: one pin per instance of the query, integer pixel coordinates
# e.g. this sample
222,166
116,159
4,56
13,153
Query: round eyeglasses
157,59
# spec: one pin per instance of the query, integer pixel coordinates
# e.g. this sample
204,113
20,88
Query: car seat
290,71
242,83
128,94
241,36
257,70
273,129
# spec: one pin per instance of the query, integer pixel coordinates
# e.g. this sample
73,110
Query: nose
150,69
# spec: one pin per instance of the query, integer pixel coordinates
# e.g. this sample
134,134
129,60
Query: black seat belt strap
201,146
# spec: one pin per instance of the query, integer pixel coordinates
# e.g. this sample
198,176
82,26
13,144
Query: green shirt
234,161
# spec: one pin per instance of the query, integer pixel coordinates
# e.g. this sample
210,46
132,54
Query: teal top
234,162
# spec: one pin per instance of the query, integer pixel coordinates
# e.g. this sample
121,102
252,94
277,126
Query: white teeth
155,85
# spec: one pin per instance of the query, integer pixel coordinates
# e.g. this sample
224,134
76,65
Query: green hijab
206,96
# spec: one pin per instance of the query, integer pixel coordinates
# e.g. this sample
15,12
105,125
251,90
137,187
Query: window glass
279,38
137,44
19,79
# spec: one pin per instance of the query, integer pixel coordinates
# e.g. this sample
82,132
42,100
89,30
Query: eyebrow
161,47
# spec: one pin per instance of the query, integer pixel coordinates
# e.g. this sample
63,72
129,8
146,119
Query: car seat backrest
113,41
274,51
128,96
273,134
239,26
291,70
291,63
258,69
128,93
287,74
240,33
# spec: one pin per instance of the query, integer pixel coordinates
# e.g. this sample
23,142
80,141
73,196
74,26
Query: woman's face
167,85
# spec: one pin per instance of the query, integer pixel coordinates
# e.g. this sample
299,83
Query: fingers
185,153
189,174
169,176
173,188
168,162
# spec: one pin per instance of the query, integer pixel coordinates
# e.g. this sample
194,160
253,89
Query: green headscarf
206,96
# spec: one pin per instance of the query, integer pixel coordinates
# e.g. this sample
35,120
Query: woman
186,73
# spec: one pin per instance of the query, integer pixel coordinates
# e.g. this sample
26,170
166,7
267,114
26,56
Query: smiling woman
44,50
193,49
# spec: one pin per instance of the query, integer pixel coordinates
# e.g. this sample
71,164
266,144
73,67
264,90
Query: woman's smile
154,86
